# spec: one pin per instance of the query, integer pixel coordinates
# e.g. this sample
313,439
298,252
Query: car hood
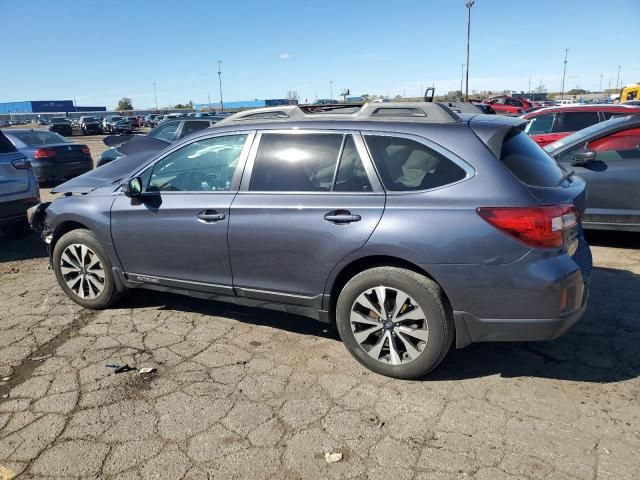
108,174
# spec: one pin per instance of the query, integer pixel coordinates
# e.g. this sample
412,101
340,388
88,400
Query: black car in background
52,156
154,141
61,125
90,125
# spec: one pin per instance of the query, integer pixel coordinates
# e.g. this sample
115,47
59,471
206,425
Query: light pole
331,89
469,4
600,90
219,62
155,96
461,77
564,72
618,78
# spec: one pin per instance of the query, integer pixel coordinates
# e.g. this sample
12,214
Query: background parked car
157,139
550,124
52,156
508,105
18,189
61,125
148,120
607,156
116,124
90,125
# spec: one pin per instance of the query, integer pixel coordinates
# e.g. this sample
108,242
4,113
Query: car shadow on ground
604,346
601,238
16,249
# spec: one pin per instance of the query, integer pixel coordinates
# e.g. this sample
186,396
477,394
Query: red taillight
22,164
535,226
44,153
85,150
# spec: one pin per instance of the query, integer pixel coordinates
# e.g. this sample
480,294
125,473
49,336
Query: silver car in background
18,189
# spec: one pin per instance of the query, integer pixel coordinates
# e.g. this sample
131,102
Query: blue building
46,106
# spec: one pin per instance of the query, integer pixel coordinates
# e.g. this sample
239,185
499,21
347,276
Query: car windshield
58,120
90,119
582,134
116,119
37,138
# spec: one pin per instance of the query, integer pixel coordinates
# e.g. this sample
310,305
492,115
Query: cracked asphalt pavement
251,394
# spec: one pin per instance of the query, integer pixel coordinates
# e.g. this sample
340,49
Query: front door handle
210,216
342,216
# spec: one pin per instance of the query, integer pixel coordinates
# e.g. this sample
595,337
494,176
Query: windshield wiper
567,176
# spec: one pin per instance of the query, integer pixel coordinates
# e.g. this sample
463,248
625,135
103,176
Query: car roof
595,107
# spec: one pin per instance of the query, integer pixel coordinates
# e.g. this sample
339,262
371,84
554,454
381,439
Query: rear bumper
470,329
62,171
16,210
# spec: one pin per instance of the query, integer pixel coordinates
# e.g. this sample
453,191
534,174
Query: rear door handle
210,216
342,216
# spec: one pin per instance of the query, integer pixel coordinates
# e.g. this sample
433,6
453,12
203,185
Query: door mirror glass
133,188
582,157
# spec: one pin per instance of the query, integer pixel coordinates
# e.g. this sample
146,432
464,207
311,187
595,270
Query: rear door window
296,162
528,162
574,121
406,165
191,126
540,124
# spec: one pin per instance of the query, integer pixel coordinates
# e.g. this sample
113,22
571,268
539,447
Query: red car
550,124
508,105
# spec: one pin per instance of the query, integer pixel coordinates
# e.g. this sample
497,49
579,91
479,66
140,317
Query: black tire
429,297
109,294
18,229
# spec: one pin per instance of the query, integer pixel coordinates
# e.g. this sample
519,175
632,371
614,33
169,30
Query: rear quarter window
5,145
406,165
528,162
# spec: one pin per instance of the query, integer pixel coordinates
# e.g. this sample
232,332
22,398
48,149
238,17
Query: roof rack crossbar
428,112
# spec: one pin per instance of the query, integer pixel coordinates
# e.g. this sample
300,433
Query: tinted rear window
5,145
528,162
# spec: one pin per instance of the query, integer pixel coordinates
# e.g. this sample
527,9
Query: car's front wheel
83,270
394,321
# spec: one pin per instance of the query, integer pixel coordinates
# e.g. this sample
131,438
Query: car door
175,234
311,198
613,179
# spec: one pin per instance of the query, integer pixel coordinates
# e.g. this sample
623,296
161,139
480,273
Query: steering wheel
192,181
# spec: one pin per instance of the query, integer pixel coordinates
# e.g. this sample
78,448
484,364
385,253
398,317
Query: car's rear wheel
83,270
394,321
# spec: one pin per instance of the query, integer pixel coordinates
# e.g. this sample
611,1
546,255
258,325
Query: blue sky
98,52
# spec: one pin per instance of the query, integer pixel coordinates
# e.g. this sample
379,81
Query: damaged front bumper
36,216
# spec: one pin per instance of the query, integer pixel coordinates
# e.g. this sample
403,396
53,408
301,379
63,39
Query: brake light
541,227
44,153
22,164
85,150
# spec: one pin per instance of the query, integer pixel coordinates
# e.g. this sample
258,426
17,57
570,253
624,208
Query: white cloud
284,56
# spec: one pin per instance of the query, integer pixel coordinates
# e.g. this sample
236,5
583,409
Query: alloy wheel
82,271
389,325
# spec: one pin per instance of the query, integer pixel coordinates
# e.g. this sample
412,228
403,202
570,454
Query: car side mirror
582,157
133,187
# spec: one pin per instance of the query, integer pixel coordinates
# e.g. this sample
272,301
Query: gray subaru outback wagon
408,225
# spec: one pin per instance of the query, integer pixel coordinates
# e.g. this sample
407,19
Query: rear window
40,137
528,162
5,145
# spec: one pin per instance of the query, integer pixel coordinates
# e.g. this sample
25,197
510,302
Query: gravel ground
250,394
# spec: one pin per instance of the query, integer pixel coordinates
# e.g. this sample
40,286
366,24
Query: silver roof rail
426,112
